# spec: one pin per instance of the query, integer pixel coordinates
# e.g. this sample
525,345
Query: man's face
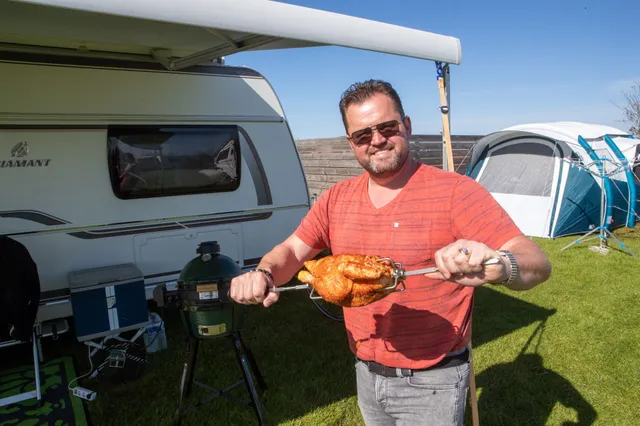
380,155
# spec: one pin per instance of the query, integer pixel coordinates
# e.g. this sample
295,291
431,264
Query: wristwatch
513,273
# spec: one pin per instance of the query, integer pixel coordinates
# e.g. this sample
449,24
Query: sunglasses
386,129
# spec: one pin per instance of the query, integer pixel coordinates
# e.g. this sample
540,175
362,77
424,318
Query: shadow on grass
496,314
524,392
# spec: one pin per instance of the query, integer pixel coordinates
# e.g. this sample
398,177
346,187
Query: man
412,346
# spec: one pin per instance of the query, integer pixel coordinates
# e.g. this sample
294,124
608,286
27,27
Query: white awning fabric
187,32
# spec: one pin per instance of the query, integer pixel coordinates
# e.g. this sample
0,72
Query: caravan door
522,175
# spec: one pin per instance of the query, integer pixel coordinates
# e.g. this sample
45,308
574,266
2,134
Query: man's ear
407,123
346,134
351,145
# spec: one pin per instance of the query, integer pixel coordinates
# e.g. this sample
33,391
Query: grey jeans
432,397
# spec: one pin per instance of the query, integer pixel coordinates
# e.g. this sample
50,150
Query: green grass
565,352
581,363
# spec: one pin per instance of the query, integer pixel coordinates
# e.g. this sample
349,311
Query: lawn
563,353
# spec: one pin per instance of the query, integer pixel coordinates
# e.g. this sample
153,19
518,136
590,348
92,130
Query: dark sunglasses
386,129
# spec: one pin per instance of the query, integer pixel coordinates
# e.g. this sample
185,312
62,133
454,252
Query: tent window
522,168
149,161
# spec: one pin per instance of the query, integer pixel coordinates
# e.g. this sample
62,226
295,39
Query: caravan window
524,168
160,161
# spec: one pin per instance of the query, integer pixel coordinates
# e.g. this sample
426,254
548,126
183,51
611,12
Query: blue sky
522,62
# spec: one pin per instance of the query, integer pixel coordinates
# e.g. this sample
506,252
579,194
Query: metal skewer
492,261
293,287
400,274
312,294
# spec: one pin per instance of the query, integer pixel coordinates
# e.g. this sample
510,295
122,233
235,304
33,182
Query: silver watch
513,273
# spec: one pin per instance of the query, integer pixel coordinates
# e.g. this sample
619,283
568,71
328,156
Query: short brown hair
360,92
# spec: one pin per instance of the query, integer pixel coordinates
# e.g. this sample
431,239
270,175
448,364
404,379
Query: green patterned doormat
58,406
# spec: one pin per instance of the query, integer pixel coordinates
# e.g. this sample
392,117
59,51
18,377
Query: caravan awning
188,32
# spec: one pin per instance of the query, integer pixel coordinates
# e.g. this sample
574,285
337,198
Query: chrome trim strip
141,229
34,216
159,222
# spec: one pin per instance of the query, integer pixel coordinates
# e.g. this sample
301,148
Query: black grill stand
249,370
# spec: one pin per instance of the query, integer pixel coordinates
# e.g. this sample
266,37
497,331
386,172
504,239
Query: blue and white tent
540,174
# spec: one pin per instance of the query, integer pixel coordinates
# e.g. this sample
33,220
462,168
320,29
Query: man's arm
467,269
481,227
282,262
285,259
534,266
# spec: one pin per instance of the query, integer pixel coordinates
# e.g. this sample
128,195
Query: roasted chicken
349,280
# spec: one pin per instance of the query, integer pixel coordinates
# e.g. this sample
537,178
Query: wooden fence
330,160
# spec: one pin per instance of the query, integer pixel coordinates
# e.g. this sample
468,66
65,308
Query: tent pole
443,84
631,185
601,230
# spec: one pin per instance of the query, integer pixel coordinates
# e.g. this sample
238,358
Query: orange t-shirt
417,327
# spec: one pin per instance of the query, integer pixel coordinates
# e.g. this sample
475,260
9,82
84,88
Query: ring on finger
464,251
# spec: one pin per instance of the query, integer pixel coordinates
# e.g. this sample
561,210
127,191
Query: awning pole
443,84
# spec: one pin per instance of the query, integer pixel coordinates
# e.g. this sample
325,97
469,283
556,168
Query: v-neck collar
396,200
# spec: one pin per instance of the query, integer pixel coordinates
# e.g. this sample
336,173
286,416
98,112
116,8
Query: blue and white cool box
108,301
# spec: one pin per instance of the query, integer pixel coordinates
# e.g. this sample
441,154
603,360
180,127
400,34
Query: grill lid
205,280
209,266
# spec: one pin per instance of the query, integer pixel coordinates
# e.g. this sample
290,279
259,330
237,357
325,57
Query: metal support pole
245,364
447,152
36,362
475,417
187,378
447,88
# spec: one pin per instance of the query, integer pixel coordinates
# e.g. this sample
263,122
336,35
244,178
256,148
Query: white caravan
124,139
103,165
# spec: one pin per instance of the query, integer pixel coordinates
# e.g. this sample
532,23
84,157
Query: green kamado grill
208,313
203,288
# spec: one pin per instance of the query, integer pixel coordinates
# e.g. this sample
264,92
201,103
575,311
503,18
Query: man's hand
461,262
251,288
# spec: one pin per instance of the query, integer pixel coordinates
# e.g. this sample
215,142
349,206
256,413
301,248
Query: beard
381,167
